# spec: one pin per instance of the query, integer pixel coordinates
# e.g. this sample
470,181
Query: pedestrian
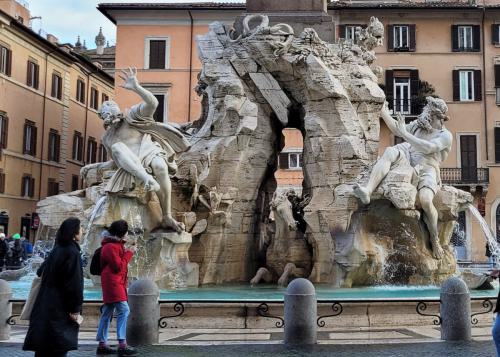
55,318
16,253
114,269
27,248
4,249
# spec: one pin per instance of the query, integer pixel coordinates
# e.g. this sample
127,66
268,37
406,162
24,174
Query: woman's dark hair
118,228
67,231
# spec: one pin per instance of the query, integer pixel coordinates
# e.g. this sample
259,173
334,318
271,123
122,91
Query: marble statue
142,150
427,144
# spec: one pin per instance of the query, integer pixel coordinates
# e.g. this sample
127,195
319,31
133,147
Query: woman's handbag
30,301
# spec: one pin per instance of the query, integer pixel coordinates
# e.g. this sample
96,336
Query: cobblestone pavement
431,349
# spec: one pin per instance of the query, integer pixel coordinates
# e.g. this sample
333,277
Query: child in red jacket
114,269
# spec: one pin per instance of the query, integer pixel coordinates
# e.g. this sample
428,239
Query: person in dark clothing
4,249
15,260
114,261
53,329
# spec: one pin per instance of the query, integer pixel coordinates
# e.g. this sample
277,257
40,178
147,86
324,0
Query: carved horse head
283,214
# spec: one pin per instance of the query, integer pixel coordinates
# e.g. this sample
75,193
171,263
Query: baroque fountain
202,199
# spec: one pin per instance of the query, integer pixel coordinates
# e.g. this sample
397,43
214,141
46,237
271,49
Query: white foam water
488,235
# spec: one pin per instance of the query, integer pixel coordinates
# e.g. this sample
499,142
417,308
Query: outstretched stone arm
108,165
148,107
425,146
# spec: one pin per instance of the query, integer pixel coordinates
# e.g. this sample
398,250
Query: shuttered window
401,38
466,38
32,76
28,186
103,154
157,53
56,91
5,60
467,85
80,91
497,145
74,182
2,181
159,115
401,90
52,187
29,138
105,98
54,145
495,34
94,98
91,150
4,130
77,152
290,160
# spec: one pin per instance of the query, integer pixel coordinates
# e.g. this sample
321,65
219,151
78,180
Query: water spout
488,235
97,209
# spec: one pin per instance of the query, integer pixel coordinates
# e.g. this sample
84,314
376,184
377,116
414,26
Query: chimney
52,39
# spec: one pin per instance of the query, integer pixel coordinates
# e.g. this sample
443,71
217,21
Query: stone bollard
300,313
455,311
142,324
5,309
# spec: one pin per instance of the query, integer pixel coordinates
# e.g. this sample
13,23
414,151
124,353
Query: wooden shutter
31,192
9,62
413,39
456,85
494,34
73,155
58,147
283,160
476,38
389,88
341,31
2,182
157,54
24,138
23,179
454,38
59,87
478,95
29,75
5,130
497,145
497,75
33,140
36,74
159,113
414,89
53,90
390,38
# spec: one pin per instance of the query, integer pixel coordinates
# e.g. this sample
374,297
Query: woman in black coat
53,330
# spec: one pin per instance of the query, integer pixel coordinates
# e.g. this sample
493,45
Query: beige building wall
20,102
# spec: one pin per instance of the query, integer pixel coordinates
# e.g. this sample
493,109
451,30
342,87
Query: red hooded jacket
114,262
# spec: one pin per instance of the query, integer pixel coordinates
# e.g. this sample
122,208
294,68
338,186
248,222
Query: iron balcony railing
465,175
405,106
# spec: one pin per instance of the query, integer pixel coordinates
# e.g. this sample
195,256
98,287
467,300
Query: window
28,186
5,60
497,83
466,38
53,187
80,91
401,89
290,160
105,98
103,154
2,181
77,153
157,52
495,34
54,145
4,129
94,98
29,138
56,86
91,150
159,114
75,179
401,38
497,145
467,85
32,75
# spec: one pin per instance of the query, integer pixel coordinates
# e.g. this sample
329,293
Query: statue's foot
362,193
283,281
169,222
150,184
437,250
255,280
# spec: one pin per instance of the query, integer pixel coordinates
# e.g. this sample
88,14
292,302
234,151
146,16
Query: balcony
411,107
465,176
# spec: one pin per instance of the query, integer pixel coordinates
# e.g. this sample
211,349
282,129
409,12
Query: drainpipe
484,86
87,102
190,64
43,122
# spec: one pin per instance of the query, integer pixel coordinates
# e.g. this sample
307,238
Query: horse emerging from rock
288,254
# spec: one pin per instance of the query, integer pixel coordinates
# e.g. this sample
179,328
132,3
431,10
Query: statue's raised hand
130,79
401,126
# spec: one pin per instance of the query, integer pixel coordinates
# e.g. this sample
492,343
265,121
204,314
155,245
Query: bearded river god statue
357,221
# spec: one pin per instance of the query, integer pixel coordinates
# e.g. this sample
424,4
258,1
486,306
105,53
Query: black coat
61,293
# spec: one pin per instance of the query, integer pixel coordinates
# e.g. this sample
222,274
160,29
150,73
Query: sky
67,19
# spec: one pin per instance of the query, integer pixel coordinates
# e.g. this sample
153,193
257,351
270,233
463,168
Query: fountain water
97,209
488,235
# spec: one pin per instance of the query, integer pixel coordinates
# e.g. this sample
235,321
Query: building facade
450,49
49,126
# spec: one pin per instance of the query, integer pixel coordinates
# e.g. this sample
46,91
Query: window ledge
75,162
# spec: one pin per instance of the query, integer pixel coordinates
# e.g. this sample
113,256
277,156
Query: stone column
142,324
5,309
455,311
300,313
